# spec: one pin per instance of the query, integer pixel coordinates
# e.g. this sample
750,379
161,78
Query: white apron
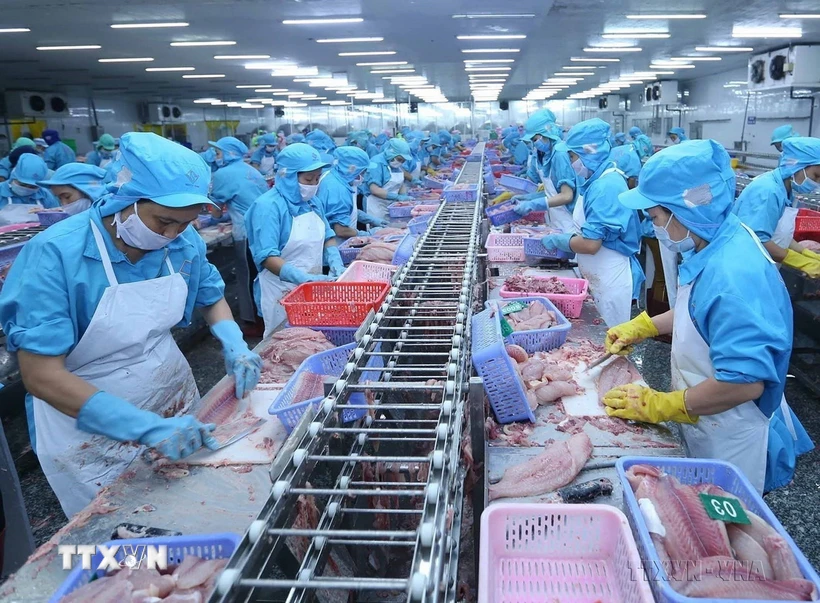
416,173
18,213
557,217
377,207
669,259
609,274
304,251
104,163
739,435
783,234
266,164
127,351
353,222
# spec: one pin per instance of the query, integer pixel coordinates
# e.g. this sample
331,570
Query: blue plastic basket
419,224
537,340
474,158
330,362
348,253
518,185
462,195
433,183
405,249
47,218
534,248
206,546
338,336
400,211
515,169
502,383
502,213
696,471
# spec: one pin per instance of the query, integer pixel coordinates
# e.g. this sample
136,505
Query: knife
599,361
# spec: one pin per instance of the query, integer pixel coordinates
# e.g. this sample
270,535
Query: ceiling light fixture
801,16
131,60
208,101
233,57
493,37
669,16
367,54
331,21
601,60
496,16
662,65
206,43
78,47
203,76
489,50
241,86
767,32
14,30
295,71
487,68
635,35
334,102
724,48
613,49
477,61
409,70
148,25
348,40
157,69
693,59
376,64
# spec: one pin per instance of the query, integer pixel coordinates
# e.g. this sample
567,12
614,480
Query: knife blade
599,361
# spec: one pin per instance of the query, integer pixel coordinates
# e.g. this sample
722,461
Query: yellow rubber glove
431,171
811,254
807,265
619,339
640,403
540,188
505,196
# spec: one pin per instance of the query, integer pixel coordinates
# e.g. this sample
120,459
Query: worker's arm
274,264
344,232
379,192
663,322
579,244
47,378
711,397
408,177
217,312
795,246
562,198
776,251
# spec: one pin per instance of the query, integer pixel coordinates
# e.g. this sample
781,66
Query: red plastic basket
807,225
333,304
570,305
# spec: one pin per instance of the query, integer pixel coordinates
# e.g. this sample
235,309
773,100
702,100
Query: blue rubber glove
334,261
174,437
240,361
291,274
392,196
363,233
416,182
558,241
404,198
366,218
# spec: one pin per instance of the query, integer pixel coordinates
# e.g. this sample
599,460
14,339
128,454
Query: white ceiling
421,32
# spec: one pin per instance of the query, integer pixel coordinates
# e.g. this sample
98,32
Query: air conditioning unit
610,102
661,93
36,104
791,67
161,113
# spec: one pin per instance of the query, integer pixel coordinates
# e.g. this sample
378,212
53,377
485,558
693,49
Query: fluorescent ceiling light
487,68
669,16
241,86
670,66
767,32
296,105
322,21
602,60
346,40
382,100
477,61
408,70
131,60
310,80
693,59
489,50
79,47
334,102
170,69
271,65
258,100
250,106
613,49
231,57
206,101
381,63
574,72
637,36
367,54
801,16
488,81
495,16
724,48
203,76
14,30
493,37
208,43
282,93
148,25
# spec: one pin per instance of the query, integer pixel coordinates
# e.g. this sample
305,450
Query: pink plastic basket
533,553
367,272
503,247
570,305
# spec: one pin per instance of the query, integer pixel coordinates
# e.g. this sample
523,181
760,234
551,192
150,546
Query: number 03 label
724,509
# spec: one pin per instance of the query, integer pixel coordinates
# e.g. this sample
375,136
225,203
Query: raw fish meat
220,404
783,562
727,578
811,245
749,551
287,349
380,252
517,353
555,467
535,316
103,590
536,284
199,573
547,392
308,386
618,372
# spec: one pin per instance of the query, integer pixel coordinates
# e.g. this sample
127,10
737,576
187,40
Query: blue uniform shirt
607,219
335,199
761,204
43,196
237,184
5,168
58,154
561,173
377,173
259,153
95,158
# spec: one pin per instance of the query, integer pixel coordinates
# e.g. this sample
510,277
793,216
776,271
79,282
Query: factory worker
644,147
677,135
634,132
209,157
5,162
236,184
768,203
607,234
384,180
321,142
619,139
446,140
731,330
288,234
780,134
337,193
58,153
538,155
89,305
432,148
76,186
457,141
103,152
555,173
40,145
117,144
264,158
21,196
295,138
380,141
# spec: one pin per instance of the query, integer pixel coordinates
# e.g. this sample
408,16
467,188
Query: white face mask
580,168
396,164
136,234
308,191
76,207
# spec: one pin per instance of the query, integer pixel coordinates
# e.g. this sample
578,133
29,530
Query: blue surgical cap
634,132
85,177
590,141
445,137
626,159
694,180
23,142
295,158
433,141
268,139
350,162
360,139
295,138
644,147
233,149
397,147
798,153
620,137
539,123
151,167
320,141
781,133
679,133
30,168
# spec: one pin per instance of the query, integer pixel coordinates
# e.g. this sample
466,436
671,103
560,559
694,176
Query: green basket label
725,509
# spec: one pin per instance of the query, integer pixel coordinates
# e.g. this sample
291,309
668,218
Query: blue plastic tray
696,471
419,224
464,195
501,380
518,185
338,335
537,340
534,248
433,183
502,213
405,249
400,211
207,546
348,253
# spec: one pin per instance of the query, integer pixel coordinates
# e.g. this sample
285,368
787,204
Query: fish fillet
682,540
555,467
711,533
726,578
103,590
782,559
750,552
618,372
